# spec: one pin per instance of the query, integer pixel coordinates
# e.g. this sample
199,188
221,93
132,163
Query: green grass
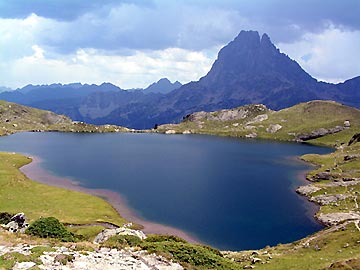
320,254
20,194
297,120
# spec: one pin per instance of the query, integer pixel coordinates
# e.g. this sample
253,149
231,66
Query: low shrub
50,227
163,238
122,241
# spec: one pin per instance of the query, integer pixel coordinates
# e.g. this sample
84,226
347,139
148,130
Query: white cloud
331,56
137,70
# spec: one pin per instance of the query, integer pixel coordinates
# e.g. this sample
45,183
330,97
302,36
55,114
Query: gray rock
251,135
328,199
274,128
23,265
106,234
336,218
307,190
258,119
347,124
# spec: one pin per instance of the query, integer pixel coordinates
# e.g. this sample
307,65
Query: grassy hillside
17,118
257,120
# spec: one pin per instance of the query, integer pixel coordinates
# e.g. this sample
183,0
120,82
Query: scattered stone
255,260
347,124
236,124
255,253
170,131
187,132
307,190
248,267
273,128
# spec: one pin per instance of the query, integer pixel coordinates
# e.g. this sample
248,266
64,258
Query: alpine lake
229,193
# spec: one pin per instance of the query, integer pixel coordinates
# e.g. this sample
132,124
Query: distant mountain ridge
249,70
162,86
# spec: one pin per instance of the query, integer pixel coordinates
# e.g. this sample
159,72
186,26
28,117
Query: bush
190,255
5,217
163,238
122,241
50,227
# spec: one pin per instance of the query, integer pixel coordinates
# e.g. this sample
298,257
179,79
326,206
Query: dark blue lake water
230,193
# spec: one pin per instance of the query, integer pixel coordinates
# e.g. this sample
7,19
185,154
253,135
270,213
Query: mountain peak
163,86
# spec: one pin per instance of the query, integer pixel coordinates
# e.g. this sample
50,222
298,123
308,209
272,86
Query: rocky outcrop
307,190
17,224
354,139
335,218
329,199
273,128
170,131
323,176
107,233
103,259
319,133
231,114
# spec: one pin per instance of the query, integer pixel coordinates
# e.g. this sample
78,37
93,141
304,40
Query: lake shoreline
35,172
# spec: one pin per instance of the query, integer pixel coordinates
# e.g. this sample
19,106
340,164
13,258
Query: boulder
17,223
347,124
274,128
107,233
170,131
251,135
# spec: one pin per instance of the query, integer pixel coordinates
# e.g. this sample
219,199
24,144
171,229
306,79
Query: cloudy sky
134,43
